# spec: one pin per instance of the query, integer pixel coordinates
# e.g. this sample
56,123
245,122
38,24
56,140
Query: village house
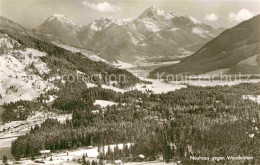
118,162
140,158
45,153
94,112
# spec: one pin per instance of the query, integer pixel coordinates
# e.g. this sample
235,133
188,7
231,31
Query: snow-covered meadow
252,98
104,103
20,71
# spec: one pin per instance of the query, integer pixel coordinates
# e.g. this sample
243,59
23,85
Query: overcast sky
218,13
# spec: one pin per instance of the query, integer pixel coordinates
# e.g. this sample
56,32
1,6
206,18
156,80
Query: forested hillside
196,121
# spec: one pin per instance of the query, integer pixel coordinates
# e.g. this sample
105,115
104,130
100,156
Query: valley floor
160,86
71,157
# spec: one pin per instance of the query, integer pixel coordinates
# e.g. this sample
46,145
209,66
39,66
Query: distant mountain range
236,50
154,33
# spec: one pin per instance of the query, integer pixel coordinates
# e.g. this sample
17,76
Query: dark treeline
196,121
21,110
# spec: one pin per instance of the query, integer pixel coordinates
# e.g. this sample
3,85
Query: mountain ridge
154,33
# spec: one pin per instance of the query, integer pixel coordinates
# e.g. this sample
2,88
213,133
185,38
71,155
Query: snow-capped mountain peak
60,29
61,18
152,12
159,14
102,23
156,10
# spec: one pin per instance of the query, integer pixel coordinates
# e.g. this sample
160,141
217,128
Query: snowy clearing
104,103
158,87
20,72
122,65
114,88
252,98
91,85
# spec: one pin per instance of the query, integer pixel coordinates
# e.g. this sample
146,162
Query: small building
45,153
118,162
141,156
94,112
108,164
89,147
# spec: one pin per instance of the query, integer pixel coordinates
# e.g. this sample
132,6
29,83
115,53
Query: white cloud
242,15
211,17
101,6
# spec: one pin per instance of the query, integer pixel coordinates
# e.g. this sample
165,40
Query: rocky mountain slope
236,50
154,33
61,28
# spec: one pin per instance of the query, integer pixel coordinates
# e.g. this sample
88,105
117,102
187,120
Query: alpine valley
78,95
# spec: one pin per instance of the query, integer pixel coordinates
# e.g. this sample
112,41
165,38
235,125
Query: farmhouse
45,153
94,112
